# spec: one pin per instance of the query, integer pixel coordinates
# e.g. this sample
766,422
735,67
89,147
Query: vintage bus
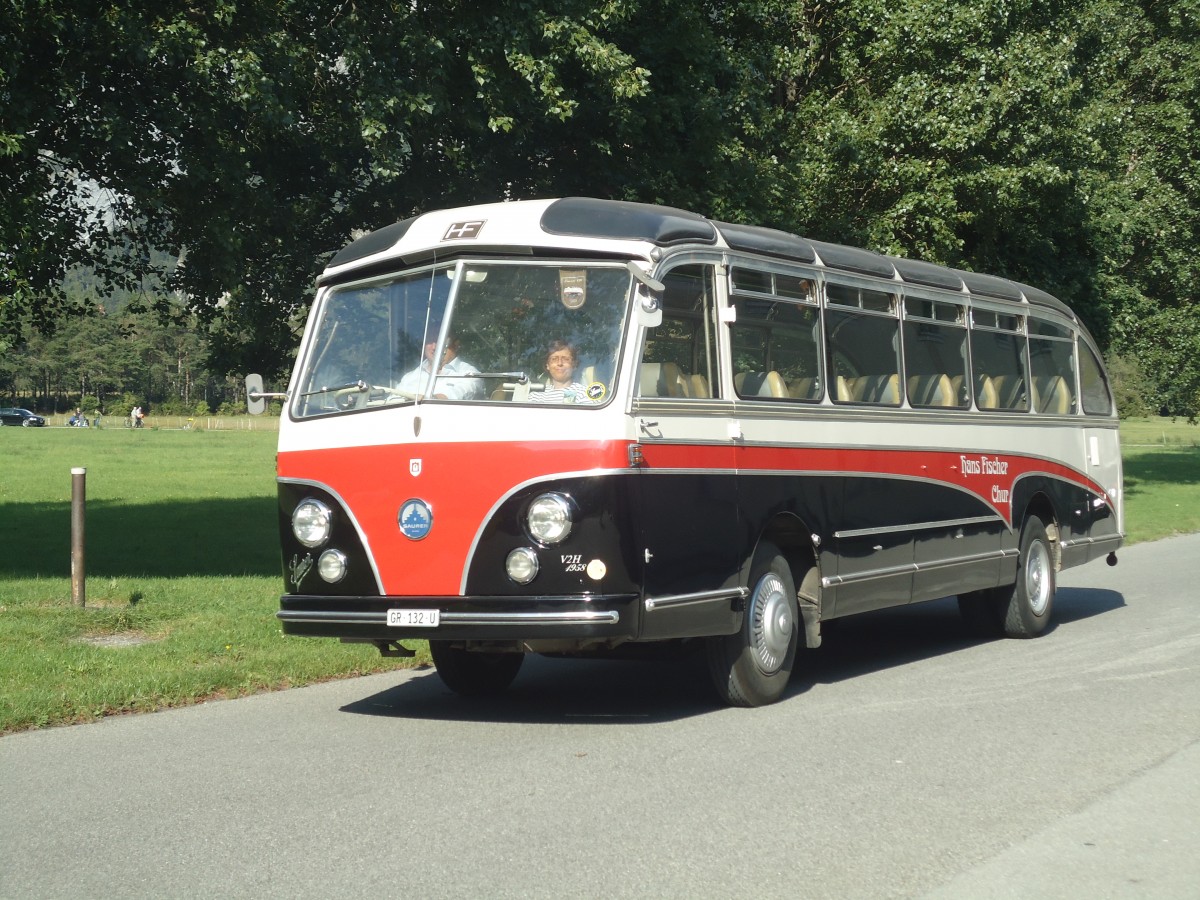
648,429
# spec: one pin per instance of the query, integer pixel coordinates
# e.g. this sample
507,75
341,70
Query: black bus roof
664,226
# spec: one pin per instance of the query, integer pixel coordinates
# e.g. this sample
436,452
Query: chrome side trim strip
334,617
1107,539
653,603
597,617
917,526
912,568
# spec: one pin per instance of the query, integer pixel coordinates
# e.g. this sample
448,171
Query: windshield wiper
518,377
360,386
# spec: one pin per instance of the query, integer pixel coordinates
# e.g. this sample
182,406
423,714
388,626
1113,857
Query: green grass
1158,432
183,567
183,576
1162,477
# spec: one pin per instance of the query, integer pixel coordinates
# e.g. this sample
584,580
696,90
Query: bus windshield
546,332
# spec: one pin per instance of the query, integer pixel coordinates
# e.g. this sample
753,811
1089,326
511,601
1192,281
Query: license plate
413,618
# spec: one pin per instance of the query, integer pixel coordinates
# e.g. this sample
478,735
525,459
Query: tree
248,140
220,153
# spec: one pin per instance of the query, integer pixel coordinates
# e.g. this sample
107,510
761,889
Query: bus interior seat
931,390
760,384
957,393
876,389
662,380
1050,395
1010,392
803,388
985,393
884,389
698,386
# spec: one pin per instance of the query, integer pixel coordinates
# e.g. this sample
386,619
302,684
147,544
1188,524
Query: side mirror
649,309
256,403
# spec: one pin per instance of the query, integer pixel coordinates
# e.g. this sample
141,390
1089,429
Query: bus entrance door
689,520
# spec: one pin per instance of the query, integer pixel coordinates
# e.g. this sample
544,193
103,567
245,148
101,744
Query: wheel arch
795,541
1039,504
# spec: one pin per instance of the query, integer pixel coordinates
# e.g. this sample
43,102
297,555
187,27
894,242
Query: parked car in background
15,416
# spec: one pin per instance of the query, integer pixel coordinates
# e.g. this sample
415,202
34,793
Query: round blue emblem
415,519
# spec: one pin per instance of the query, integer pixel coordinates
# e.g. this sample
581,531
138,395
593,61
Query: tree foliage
245,140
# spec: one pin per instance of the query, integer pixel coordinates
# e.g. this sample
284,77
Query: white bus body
760,433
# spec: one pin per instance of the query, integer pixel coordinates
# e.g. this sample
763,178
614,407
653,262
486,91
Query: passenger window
1097,400
998,370
935,355
1052,364
775,348
680,359
862,348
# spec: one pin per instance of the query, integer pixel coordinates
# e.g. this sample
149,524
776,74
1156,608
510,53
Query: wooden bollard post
78,503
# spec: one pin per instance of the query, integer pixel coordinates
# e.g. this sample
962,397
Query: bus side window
775,342
935,353
998,358
862,344
1097,401
1052,365
679,359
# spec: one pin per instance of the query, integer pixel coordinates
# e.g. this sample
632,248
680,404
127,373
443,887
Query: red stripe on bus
462,482
990,476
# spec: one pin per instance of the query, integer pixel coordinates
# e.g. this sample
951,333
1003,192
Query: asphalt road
907,761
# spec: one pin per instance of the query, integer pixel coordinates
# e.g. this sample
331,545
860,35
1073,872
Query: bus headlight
549,519
522,565
312,521
331,565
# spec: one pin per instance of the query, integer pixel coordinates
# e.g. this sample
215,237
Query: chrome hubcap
1038,578
771,623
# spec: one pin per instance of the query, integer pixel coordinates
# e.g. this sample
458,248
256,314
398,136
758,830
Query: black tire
25,422
1021,609
1029,603
752,666
474,674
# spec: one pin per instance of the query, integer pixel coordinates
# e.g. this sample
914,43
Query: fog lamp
522,565
332,566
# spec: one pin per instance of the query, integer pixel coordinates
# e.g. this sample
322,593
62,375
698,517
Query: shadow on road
895,637
579,691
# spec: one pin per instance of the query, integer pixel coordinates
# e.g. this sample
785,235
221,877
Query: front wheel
474,674
752,666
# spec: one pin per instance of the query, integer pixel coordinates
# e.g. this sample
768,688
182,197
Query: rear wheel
1030,601
474,674
752,666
